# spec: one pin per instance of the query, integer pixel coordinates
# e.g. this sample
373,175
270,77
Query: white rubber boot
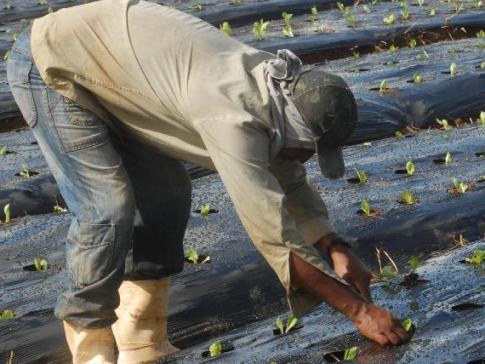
90,346
141,328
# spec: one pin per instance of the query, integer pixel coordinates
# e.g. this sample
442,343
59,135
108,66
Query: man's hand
347,266
379,325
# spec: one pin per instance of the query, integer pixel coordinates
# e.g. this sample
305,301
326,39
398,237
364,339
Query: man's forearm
312,280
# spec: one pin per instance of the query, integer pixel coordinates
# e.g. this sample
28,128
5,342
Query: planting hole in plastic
401,171
353,180
480,154
466,306
277,332
31,173
334,357
211,211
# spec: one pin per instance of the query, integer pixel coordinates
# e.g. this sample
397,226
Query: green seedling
417,78
408,198
365,208
420,3
314,14
422,56
432,11
453,69
481,34
459,8
350,21
340,6
355,55
459,187
58,209
398,134
414,263
407,324
477,258
390,19
6,55
389,273
6,211
444,124
412,43
448,159
290,323
351,353
478,4
193,256
7,7
362,177
41,264
260,28
7,315
383,86
205,210
481,119
482,65
393,48
405,13
43,2
366,9
367,144
216,348
3,151
196,5
25,171
410,168
287,31
226,28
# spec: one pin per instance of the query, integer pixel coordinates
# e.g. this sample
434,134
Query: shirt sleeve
240,153
303,203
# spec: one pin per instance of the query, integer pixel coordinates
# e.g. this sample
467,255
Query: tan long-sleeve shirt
187,89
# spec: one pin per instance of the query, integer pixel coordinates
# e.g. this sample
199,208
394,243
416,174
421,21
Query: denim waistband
22,44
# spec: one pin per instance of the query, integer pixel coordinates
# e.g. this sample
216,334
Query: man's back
156,69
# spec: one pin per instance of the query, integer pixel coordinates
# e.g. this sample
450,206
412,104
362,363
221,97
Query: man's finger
381,339
393,338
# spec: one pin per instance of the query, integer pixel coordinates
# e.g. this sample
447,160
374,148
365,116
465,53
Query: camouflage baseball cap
327,105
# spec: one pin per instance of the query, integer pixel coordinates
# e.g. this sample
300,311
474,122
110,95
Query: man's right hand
379,325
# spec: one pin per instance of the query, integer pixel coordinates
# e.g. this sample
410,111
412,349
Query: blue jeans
106,180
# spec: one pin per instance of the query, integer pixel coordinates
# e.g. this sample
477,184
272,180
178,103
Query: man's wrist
331,242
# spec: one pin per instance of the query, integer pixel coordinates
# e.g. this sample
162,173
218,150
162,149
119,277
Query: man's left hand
348,266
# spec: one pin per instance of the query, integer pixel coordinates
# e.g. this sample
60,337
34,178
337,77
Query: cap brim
331,161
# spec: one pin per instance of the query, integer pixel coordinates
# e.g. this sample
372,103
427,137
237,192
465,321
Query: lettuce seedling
6,211
448,159
196,5
420,2
43,2
417,78
408,198
7,315
405,13
6,55
407,324
226,28
414,263
41,264
25,171
3,151
365,208
349,20
423,55
410,168
481,34
444,124
287,31
314,14
389,273
351,353
453,69
260,28
7,7
290,323
362,176
398,134
412,43
205,210
477,258
194,257
366,9
393,48
478,4
481,120
459,187
340,6
390,19
383,86
432,11
216,348
58,209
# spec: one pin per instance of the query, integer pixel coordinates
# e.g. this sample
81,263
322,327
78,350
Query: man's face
299,154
